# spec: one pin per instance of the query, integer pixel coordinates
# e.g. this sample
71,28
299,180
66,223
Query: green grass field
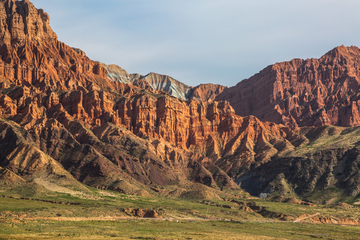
160,229
181,219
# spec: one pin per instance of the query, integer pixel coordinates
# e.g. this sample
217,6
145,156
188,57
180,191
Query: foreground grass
113,206
32,219
159,229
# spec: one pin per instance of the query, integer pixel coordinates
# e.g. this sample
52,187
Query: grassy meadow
104,218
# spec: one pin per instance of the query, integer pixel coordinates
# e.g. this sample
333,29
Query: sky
203,41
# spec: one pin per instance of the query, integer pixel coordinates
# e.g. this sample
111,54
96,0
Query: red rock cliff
31,55
312,92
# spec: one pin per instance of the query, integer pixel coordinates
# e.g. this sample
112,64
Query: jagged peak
21,21
343,51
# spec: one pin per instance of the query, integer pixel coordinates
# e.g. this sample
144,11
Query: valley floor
181,229
110,217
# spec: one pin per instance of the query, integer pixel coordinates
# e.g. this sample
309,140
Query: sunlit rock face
312,92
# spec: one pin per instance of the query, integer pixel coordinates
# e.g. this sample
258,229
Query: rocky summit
68,119
312,92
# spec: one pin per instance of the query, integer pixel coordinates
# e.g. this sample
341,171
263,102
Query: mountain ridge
133,138
303,92
158,82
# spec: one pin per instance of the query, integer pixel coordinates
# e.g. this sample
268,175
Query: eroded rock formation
312,92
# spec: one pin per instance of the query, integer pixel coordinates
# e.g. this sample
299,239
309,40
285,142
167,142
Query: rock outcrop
32,56
312,92
22,23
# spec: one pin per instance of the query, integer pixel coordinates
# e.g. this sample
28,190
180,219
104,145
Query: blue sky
203,41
